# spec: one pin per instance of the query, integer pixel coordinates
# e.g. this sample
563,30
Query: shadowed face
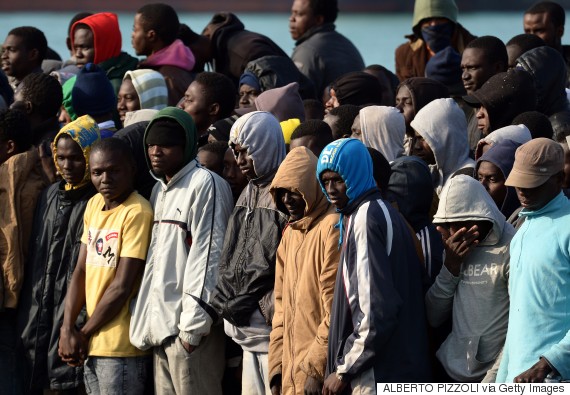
302,19
139,39
422,150
475,69
536,198
111,176
483,121
293,202
17,60
541,25
335,187
127,99
232,174
492,178
83,47
166,160
244,161
70,160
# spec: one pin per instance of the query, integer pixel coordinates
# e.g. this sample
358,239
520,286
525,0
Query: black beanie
166,133
358,88
93,93
220,129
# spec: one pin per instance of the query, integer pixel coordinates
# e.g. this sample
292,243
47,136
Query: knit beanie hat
220,130
250,79
445,67
357,88
67,103
150,87
93,93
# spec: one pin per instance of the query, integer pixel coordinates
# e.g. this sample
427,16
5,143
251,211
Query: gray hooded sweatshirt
443,126
478,299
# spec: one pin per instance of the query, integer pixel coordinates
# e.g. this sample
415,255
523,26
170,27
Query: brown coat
21,182
305,273
412,57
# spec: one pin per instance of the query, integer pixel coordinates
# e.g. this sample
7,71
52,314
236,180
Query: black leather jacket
247,266
54,248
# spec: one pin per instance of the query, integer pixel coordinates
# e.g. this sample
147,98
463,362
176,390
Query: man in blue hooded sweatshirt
378,267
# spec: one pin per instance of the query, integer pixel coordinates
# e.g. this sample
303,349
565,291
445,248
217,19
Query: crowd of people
221,217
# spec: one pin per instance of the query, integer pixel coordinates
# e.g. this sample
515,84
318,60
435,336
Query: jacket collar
325,27
181,173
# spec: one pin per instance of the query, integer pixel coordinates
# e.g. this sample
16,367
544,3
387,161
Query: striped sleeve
368,285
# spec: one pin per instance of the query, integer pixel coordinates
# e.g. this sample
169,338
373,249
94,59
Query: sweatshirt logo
328,154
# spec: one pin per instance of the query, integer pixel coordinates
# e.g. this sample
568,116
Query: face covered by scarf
438,36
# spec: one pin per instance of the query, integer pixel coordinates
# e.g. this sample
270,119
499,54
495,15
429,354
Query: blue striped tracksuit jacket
378,327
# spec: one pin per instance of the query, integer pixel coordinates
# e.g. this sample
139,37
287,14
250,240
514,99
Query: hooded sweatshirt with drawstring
443,126
477,299
190,217
383,128
379,334
54,249
305,272
175,62
244,294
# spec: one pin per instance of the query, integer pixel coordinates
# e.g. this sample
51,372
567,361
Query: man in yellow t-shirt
117,226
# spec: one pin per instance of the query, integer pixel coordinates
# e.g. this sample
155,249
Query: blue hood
351,160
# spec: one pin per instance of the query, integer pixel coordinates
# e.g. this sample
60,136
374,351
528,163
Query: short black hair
494,49
218,88
216,147
15,126
77,17
161,18
117,146
346,114
312,127
555,10
33,38
381,169
526,42
538,124
316,128
44,92
312,108
327,8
